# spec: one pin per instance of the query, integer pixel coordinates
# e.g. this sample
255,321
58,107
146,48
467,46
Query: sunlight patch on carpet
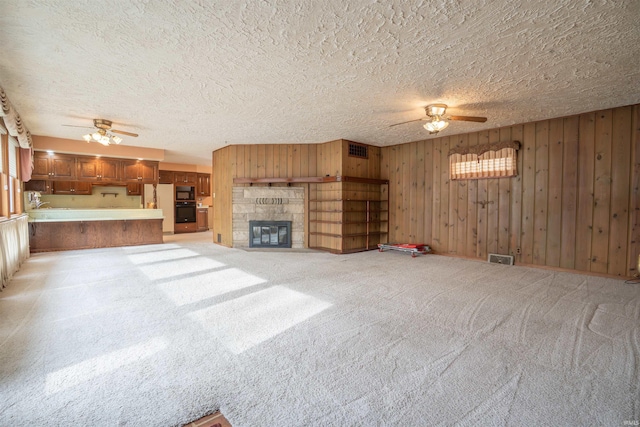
208,285
148,257
245,322
179,267
84,371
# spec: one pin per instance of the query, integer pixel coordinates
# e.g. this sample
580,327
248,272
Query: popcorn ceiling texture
191,77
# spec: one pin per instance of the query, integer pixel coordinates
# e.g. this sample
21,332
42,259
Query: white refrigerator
165,197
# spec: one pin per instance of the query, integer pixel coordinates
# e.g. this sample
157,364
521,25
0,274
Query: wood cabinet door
82,188
204,185
202,219
130,170
110,169
165,177
134,189
62,187
87,169
39,185
63,167
185,178
40,165
148,172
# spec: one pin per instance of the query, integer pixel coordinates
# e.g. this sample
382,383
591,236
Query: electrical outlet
518,251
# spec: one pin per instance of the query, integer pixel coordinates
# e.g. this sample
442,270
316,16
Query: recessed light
49,152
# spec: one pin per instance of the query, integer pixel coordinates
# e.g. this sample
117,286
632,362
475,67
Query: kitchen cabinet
185,227
72,235
53,166
202,219
79,188
39,185
104,170
185,178
141,171
165,177
134,189
203,187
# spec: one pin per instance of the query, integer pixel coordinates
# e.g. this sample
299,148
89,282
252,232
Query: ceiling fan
434,119
104,133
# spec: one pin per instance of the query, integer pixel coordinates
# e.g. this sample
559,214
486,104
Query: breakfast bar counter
58,229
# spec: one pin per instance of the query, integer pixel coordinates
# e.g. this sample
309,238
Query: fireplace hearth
269,234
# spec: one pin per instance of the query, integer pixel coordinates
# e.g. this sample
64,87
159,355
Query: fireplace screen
270,234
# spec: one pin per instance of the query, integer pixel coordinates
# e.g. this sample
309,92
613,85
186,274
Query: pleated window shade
489,164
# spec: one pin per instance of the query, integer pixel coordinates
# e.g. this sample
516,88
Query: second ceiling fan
435,120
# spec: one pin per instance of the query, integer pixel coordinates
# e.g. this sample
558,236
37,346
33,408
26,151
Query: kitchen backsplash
101,198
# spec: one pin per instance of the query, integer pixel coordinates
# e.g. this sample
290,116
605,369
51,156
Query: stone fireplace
266,205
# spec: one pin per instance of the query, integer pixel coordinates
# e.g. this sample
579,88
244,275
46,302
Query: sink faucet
39,203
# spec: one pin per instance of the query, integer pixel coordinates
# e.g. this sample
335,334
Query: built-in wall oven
185,212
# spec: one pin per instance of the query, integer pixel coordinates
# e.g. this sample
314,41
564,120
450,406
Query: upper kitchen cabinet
105,170
141,171
166,177
203,187
53,166
185,178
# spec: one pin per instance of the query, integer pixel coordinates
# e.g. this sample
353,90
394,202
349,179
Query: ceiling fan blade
410,121
75,126
123,132
469,119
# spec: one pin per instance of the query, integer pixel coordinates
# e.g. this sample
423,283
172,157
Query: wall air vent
500,259
358,150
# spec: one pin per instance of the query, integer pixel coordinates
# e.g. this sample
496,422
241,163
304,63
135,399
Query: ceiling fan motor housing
102,124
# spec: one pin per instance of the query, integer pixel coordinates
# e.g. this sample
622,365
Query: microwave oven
185,193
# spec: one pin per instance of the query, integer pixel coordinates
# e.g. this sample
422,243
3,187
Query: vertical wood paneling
584,224
601,192
395,196
554,217
634,205
504,202
528,153
542,189
437,195
413,188
516,201
460,212
421,201
569,192
620,189
493,199
444,194
482,207
472,209
428,193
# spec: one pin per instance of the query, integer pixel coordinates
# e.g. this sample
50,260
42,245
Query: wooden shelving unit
342,224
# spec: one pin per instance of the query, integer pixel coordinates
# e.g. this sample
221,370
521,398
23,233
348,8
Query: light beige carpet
163,334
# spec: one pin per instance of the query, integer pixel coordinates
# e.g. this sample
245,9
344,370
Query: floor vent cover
501,259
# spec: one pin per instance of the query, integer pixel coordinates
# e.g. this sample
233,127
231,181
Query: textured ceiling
192,76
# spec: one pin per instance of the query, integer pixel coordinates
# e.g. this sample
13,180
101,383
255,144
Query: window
484,161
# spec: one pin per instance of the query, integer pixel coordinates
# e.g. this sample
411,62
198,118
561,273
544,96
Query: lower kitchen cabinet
69,235
202,219
185,227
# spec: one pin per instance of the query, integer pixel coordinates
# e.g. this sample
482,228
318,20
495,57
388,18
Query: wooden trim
481,149
310,179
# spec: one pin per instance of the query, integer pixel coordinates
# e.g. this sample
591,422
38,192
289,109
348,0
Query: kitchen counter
66,214
59,229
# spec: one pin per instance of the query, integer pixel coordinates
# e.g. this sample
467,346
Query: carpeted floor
161,335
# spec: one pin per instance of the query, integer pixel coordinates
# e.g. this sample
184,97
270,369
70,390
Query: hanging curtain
13,121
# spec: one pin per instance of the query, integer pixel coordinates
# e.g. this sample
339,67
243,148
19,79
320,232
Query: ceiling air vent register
358,150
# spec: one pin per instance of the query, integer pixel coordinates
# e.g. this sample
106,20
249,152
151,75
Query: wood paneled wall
279,161
575,203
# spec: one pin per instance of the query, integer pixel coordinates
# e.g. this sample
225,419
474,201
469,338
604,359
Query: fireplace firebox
270,234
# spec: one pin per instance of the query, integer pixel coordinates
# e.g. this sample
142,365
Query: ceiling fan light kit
104,133
435,121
